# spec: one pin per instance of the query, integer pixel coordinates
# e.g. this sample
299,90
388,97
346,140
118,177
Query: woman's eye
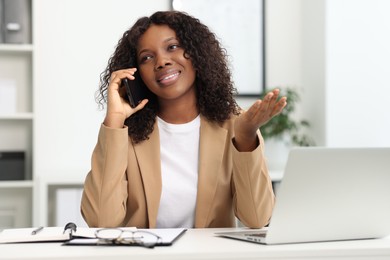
173,46
145,58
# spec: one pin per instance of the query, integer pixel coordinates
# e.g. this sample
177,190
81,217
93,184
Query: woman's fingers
117,76
278,108
269,107
259,114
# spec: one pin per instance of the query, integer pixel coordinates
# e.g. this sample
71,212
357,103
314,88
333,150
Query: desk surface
203,244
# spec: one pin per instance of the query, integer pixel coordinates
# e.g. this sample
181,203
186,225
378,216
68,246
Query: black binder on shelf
12,165
16,21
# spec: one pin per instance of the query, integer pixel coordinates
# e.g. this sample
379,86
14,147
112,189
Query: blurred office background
334,52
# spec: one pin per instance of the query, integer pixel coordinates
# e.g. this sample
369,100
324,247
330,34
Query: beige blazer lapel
148,157
211,149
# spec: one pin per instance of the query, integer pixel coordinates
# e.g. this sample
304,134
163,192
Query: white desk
202,244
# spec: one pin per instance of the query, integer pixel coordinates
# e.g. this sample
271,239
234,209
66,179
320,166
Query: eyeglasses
119,236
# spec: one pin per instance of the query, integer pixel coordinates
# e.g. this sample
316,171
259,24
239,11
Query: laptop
329,194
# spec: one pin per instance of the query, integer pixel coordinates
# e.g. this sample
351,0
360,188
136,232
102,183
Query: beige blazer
123,187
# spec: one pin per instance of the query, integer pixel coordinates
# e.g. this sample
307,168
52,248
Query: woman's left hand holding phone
118,109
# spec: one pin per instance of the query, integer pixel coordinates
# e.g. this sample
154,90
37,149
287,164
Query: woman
186,155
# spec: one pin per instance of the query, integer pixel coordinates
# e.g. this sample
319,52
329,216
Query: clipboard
168,237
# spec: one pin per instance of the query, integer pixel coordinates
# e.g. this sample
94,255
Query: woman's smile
169,77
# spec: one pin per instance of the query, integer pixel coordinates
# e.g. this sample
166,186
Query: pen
35,231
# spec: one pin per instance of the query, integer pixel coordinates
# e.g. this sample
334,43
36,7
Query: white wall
74,40
312,63
334,51
283,43
357,73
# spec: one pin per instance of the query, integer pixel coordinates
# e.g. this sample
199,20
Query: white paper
17,235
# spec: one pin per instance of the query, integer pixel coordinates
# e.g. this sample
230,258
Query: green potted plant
284,124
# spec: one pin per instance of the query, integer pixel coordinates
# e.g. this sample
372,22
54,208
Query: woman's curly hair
214,86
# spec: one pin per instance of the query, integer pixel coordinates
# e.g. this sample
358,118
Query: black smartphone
134,90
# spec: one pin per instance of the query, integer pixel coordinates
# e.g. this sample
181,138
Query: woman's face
162,65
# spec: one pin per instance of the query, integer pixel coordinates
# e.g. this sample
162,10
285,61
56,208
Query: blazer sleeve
103,202
253,195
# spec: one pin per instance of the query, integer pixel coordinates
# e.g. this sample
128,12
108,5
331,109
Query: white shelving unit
28,48
16,131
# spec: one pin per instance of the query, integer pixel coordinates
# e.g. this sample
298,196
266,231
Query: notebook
46,234
329,194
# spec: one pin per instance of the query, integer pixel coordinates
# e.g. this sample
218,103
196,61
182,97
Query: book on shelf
16,21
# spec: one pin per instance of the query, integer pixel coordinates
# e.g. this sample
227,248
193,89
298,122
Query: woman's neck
178,113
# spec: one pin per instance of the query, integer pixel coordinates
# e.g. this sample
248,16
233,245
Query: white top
179,148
